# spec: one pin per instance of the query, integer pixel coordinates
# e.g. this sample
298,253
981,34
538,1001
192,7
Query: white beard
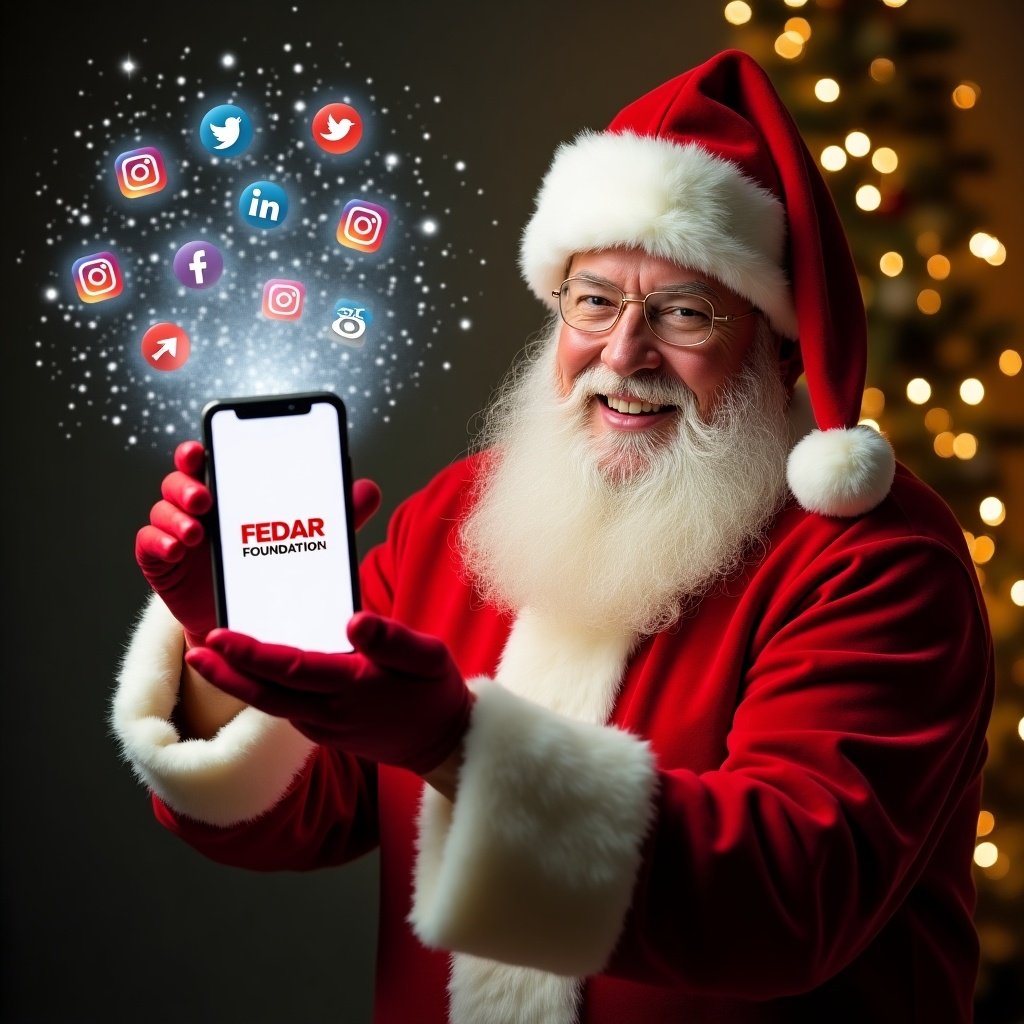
624,533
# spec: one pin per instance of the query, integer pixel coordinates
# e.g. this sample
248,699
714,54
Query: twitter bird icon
226,130
337,128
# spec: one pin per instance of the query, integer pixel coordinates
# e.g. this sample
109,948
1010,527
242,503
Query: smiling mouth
632,407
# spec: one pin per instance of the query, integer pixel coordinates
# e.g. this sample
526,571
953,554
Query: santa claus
653,715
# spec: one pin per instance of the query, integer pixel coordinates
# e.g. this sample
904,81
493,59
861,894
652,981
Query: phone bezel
270,407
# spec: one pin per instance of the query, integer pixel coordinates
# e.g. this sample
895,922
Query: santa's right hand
173,550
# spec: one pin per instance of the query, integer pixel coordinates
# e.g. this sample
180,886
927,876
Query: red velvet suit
818,732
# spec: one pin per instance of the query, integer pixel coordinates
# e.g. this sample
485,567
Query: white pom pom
841,472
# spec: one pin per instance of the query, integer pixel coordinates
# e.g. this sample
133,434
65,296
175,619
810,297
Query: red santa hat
709,170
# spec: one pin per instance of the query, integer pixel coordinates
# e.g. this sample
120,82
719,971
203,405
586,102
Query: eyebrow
686,286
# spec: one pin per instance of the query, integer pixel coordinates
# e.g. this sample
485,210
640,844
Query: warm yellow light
983,245
943,444
884,160
894,3
972,391
965,446
795,3
992,511
882,69
833,158
789,45
986,822
1010,362
966,94
890,264
928,242
998,256
872,402
827,90
868,197
868,422
929,301
801,26
1017,597
938,267
937,420
919,390
858,144
983,550
737,12
986,854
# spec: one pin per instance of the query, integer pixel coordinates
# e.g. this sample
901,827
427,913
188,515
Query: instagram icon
140,172
362,225
97,277
282,299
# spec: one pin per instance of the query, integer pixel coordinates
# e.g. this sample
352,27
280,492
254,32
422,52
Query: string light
1017,597
868,197
801,26
858,144
872,402
891,264
965,446
983,550
789,45
986,822
966,94
943,444
884,160
938,267
796,3
827,90
986,854
992,511
882,70
937,419
987,247
972,391
868,422
737,12
929,301
928,242
1010,362
919,391
833,158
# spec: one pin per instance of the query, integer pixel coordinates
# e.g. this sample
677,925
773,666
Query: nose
631,345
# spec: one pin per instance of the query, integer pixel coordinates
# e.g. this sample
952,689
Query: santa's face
632,350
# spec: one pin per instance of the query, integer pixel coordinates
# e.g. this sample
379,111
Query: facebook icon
198,264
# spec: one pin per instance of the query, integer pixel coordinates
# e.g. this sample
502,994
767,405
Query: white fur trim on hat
674,201
236,776
841,472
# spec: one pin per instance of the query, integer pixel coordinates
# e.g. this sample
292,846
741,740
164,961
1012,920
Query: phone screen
284,562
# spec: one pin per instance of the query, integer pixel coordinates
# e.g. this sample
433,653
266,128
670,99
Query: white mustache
654,389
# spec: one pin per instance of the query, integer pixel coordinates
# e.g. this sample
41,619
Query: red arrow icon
166,346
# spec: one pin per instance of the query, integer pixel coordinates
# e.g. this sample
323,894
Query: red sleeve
858,738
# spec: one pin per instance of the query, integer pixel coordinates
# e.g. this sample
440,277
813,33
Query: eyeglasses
677,317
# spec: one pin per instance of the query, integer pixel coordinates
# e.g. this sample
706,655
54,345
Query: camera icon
97,277
362,225
140,172
283,299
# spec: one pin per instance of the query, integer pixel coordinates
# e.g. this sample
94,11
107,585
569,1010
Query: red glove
399,699
173,551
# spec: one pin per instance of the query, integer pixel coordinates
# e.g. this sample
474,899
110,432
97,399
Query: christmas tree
875,99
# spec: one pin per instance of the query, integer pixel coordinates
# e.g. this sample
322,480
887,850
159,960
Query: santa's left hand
398,699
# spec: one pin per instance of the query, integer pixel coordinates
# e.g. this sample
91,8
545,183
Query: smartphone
284,558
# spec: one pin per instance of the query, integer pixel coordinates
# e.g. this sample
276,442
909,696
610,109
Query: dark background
105,916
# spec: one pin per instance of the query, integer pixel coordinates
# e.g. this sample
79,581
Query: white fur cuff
535,862
236,776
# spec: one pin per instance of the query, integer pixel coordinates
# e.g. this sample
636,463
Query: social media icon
140,172
350,322
263,205
166,346
337,128
198,264
283,299
362,225
97,277
226,130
